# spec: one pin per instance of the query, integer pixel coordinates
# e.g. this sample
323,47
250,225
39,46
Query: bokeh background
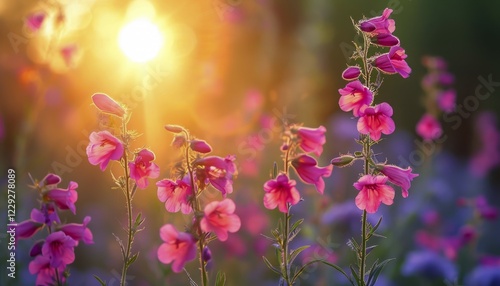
231,71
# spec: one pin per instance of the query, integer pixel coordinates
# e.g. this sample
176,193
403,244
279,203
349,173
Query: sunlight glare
140,40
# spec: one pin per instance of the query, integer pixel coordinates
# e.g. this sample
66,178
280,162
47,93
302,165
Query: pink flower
50,181
142,168
398,176
28,228
351,73
200,146
280,192
354,96
218,171
220,219
34,21
175,195
429,128
309,172
179,247
393,62
68,53
379,25
59,248
104,147
385,40
79,231
446,100
46,274
373,191
107,105
312,139
375,120
64,199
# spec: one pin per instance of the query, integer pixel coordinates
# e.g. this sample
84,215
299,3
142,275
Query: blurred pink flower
34,21
142,168
351,73
378,25
220,218
398,176
46,274
176,195
434,63
68,54
178,247
375,120
486,211
354,96
64,199
59,248
373,191
428,127
280,192
312,139
308,170
200,146
393,62
107,105
218,171
79,231
104,147
446,100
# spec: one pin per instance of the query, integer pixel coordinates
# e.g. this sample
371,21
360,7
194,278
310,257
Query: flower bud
179,141
351,73
385,40
107,105
200,146
36,249
206,255
174,128
343,160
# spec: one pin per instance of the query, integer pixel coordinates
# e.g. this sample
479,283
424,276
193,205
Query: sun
140,40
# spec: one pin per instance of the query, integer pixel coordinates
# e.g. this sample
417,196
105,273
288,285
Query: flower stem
197,209
130,237
286,264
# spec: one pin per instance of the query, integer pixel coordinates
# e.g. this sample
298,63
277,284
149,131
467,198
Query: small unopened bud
107,105
174,128
206,255
284,147
351,73
200,146
179,141
343,160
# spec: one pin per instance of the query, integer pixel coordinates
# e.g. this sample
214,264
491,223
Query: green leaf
296,252
373,229
301,269
268,264
132,259
353,245
336,267
296,224
375,271
355,274
220,279
293,234
100,280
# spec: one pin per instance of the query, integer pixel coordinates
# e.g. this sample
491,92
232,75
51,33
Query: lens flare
140,40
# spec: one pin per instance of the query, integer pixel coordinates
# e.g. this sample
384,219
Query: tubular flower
218,171
178,247
280,192
104,147
393,62
308,170
373,191
376,120
429,128
378,25
312,139
175,195
398,176
142,168
354,96
220,219
107,105
64,199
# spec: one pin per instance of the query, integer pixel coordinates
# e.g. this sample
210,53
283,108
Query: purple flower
200,146
386,40
79,231
142,168
28,228
60,249
218,171
430,265
484,275
312,139
351,73
379,25
46,274
393,62
310,173
398,176
64,199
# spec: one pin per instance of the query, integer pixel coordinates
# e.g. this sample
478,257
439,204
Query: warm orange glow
140,40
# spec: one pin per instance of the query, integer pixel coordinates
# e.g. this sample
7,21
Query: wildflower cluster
56,251
195,172
373,120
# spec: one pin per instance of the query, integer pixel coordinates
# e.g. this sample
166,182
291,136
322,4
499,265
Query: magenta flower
104,147
107,105
379,25
280,192
142,168
220,219
429,128
393,62
176,195
28,228
385,40
312,139
376,120
200,146
59,248
373,191
178,247
308,170
79,231
218,171
50,181
351,73
34,21
354,96
398,176
64,199
446,100
46,274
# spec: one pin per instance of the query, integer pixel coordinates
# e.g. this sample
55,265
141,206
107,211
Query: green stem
130,237
286,264
197,209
